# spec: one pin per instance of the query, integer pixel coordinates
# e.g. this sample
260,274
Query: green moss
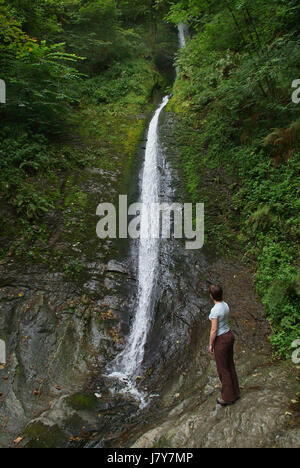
41,436
74,269
77,200
162,443
134,134
81,402
177,106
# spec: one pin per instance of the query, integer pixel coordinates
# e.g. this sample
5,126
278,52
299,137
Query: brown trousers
223,348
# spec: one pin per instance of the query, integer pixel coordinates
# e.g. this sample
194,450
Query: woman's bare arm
213,335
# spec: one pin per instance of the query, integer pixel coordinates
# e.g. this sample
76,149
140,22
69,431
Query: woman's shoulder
221,307
226,307
217,308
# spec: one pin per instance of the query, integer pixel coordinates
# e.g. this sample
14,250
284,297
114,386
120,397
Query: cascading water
183,32
128,362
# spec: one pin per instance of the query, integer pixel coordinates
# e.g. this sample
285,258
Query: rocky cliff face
60,330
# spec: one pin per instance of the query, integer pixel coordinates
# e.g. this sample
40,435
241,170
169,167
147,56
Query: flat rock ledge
264,417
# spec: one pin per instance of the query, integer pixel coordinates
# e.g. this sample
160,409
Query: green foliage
80,76
95,32
275,280
241,150
29,203
14,42
82,402
124,83
29,186
40,19
41,76
37,85
74,269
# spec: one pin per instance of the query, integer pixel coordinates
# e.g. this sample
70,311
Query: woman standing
221,346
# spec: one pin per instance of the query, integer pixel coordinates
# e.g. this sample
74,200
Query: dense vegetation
79,75
240,145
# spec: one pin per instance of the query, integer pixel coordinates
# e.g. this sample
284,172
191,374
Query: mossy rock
162,443
42,436
81,402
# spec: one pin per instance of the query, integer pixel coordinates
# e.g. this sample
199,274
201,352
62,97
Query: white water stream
183,32
127,364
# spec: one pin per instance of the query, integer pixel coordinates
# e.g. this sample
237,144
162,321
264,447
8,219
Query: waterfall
183,32
126,366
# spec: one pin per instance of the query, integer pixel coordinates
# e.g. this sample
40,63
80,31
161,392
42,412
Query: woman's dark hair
216,292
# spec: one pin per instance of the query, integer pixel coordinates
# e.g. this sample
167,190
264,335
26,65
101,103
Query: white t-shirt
221,312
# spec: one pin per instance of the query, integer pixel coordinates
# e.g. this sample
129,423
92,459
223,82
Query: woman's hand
213,335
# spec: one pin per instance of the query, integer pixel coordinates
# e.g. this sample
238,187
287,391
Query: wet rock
291,439
55,336
117,267
93,287
250,423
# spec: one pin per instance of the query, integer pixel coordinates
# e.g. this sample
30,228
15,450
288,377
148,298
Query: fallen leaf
18,440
